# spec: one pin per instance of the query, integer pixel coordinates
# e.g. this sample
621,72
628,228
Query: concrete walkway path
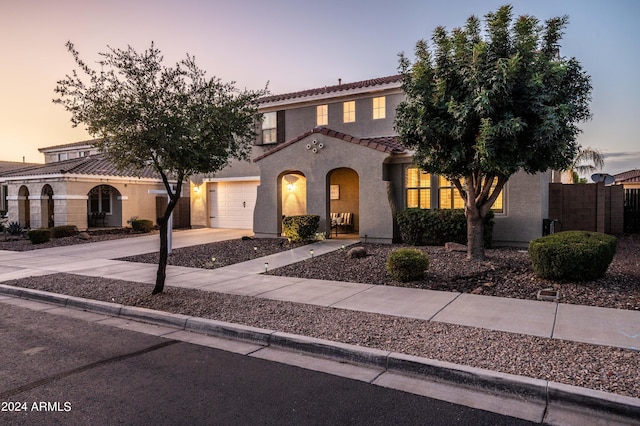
601,326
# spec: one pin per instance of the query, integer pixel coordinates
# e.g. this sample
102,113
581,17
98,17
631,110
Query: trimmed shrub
64,231
300,228
142,225
39,236
425,226
572,255
407,264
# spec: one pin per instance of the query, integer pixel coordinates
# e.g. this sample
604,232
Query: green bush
407,264
142,225
423,226
64,231
572,255
39,236
300,228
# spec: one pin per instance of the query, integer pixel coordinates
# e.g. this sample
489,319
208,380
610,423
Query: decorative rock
478,290
84,236
357,252
455,247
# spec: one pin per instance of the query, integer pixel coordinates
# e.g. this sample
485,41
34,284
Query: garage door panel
232,204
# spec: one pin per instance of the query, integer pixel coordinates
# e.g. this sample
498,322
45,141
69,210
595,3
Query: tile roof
628,177
389,144
333,89
93,165
9,166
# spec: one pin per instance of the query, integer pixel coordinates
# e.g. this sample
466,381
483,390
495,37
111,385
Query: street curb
551,393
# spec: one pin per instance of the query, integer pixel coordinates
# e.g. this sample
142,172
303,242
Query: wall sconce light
196,189
291,180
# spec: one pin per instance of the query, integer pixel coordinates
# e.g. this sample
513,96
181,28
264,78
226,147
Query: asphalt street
60,370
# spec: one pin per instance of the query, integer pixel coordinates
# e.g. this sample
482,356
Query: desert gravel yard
506,273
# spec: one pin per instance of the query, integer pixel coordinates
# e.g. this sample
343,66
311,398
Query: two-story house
333,150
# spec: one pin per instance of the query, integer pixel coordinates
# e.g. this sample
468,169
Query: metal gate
632,211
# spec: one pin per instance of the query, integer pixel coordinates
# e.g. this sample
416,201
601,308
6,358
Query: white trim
233,179
70,197
122,197
16,198
38,197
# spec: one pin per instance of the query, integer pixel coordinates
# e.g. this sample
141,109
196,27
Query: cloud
618,162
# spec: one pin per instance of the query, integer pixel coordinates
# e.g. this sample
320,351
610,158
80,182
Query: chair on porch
341,220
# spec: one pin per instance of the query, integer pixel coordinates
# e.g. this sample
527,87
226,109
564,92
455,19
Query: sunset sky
293,45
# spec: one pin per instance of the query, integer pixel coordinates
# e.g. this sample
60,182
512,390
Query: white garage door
231,204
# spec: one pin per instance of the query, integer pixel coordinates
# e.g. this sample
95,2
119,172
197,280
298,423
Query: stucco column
35,208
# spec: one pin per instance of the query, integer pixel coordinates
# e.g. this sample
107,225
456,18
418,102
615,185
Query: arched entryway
343,201
24,212
292,194
46,207
104,207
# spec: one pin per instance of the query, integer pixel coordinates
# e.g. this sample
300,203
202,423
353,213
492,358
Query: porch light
290,187
196,189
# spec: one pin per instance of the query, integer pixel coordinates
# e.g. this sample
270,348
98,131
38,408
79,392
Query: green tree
484,103
173,118
587,160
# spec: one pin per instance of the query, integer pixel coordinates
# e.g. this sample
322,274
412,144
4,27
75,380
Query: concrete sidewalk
601,326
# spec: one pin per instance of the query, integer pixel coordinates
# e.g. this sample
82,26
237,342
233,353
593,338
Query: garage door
231,204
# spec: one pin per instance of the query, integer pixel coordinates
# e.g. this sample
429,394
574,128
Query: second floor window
322,115
349,111
379,108
270,127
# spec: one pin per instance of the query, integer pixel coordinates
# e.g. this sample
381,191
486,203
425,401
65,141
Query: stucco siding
374,212
526,204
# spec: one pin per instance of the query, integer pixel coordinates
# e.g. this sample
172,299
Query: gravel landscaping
506,273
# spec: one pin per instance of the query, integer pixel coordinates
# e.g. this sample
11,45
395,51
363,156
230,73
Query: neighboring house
5,167
334,150
77,186
629,179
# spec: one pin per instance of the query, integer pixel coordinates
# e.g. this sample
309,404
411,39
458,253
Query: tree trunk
164,256
475,234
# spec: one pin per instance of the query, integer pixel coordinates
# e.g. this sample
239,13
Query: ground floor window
100,199
424,191
418,188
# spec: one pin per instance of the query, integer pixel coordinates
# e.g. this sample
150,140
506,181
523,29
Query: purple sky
293,45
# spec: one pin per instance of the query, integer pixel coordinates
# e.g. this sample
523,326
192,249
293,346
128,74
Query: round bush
407,264
142,225
572,255
39,236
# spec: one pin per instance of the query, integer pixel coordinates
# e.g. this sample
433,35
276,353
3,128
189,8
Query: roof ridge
388,144
335,88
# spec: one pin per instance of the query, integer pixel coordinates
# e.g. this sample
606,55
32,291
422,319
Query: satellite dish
605,178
